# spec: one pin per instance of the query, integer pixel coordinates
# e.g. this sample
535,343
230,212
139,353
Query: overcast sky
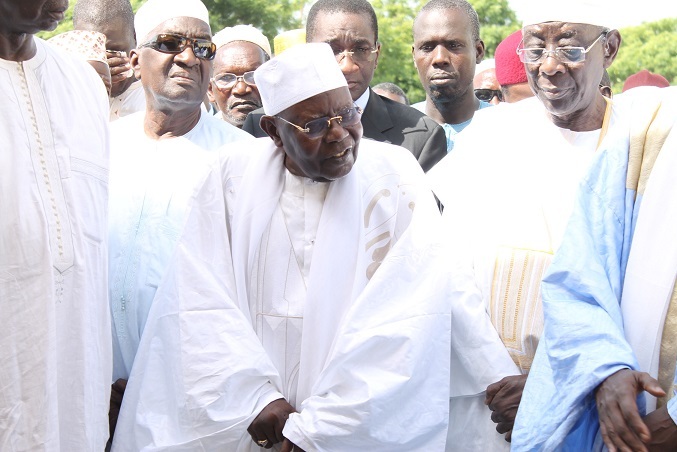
624,13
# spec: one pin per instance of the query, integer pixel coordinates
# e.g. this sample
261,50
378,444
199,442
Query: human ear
134,63
269,126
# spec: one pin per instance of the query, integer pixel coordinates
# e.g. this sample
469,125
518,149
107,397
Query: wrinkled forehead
184,26
241,54
560,30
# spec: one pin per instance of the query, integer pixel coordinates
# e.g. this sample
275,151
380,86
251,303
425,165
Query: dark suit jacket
391,122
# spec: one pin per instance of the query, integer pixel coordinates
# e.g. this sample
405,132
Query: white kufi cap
242,33
298,73
593,12
154,12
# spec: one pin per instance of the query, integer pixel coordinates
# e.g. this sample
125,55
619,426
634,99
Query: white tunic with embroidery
55,348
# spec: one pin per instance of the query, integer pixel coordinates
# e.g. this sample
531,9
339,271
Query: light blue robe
583,341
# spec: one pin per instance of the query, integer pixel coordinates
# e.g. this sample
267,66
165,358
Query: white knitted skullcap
242,33
593,12
298,73
154,12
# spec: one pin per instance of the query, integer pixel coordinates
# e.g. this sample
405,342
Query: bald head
99,12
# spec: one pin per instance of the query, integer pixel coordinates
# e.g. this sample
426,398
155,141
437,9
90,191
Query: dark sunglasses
203,49
318,127
487,94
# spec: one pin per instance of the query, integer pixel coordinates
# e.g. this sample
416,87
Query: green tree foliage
497,21
649,46
396,64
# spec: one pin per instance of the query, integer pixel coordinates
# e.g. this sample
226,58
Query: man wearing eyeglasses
302,309
351,29
507,197
158,156
239,51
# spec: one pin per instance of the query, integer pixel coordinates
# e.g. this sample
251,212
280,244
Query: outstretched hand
620,423
503,399
266,428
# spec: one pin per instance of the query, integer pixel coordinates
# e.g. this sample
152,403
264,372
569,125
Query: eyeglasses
228,80
534,55
359,55
318,127
203,49
487,94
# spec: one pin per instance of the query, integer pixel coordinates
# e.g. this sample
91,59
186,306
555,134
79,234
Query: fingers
287,446
492,390
650,384
618,427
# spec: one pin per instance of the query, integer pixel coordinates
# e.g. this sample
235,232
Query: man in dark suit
350,28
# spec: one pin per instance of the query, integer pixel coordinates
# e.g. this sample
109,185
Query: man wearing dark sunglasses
485,84
158,155
239,51
351,28
303,309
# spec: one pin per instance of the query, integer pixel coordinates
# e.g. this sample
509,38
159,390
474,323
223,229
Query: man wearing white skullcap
515,194
239,51
608,297
158,156
303,305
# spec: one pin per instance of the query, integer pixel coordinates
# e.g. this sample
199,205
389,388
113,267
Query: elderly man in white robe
55,358
305,305
158,157
507,198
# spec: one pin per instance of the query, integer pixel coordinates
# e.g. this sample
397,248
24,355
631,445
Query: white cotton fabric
370,373
55,349
297,74
131,101
507,194
154,12
652,262
152,182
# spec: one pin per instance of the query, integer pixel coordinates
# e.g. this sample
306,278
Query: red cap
509,68
645,78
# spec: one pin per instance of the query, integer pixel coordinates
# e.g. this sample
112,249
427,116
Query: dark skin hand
503,399
663,431
119,67
621,426
288,446
269,423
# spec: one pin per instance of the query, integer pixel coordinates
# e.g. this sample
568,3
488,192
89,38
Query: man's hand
663,430
269,423
119,71
288,446
619,420
503,399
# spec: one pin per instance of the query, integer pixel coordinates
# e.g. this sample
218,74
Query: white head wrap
484,65
242,33
300,72
154,12
593,12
